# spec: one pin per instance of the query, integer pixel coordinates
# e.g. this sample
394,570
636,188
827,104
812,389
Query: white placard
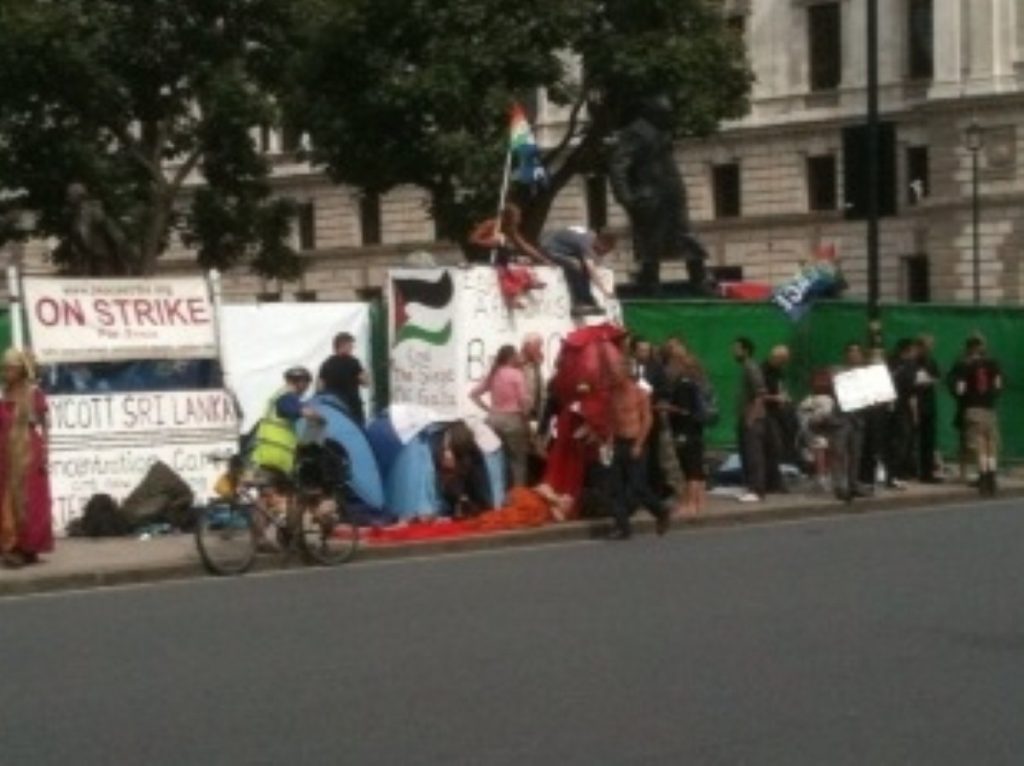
446,325
88,320
105,443
864,387
260,342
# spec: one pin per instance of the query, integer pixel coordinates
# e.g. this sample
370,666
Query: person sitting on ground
462,472
817,415
506,242
578,251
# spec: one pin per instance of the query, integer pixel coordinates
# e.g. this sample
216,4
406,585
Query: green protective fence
709,329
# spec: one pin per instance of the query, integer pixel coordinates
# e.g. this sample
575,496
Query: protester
342,376
956,372
751,427
648,370
504,239
901,464
462,472
276,440
817,417
780,417
979,383
532,356
26,525
509,409
683,404
631,423
927,380
578,251
847,441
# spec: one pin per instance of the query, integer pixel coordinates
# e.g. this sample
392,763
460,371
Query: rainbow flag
528,169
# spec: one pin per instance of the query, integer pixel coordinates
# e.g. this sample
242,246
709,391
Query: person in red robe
26,525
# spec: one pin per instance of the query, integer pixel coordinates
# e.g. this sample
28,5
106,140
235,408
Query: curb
550,535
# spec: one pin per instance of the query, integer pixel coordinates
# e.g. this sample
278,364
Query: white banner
864,387
87,320
447,326
105,443
260,342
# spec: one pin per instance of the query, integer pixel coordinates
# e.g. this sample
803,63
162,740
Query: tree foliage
417,91
132,98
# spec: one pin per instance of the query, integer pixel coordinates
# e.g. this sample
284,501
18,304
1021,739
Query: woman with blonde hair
26,527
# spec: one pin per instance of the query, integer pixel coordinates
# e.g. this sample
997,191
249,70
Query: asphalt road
883,639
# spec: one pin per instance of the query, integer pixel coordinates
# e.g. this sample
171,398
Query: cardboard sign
446,326
105,443
864,387
85,320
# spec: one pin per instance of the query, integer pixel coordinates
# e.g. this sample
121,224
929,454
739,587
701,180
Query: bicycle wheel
328,537
226,539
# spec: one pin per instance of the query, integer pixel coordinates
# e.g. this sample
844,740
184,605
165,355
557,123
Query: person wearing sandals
26,523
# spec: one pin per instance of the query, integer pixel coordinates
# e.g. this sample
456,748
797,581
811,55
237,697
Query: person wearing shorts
978,385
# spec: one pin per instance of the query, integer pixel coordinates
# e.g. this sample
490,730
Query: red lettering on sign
51,312
197,311
144,312
103,312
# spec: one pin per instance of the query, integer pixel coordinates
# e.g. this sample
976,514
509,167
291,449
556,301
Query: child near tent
504,239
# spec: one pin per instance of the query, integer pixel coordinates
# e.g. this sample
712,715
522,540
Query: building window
918,174
307,226
921,39
369,218
597,202
917,279
725,180
825,45
821,183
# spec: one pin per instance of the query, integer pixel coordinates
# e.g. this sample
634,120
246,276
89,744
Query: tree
125,102
417,91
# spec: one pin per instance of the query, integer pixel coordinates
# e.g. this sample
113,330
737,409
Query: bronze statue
646,182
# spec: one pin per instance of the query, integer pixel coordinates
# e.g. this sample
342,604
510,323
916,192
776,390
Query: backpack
708,414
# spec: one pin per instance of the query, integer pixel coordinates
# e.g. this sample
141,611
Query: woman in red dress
26,526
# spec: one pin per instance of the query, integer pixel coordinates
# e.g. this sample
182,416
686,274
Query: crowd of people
620,426
662,401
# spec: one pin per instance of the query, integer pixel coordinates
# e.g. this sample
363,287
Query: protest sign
86,320
864,387
446,326
105,443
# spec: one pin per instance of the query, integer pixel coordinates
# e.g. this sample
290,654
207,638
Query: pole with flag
524,155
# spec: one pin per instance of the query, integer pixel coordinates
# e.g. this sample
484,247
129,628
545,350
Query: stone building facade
767,189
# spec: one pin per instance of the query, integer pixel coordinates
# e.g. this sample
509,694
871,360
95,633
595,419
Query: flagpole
502,197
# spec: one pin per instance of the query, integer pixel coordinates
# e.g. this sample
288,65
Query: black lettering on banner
476,359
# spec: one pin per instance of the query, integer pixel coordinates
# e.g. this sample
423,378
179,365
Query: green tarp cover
709,328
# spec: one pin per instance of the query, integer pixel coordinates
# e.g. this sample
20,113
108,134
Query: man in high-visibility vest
276,440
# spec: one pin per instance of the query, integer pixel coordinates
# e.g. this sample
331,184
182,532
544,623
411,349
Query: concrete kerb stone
549,535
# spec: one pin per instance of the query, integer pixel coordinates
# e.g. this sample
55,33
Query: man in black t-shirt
978,385
342,375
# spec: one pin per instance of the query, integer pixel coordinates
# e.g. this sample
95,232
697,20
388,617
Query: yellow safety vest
275,441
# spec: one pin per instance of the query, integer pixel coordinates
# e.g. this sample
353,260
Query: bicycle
314,523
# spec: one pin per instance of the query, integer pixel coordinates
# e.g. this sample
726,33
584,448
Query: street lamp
975,143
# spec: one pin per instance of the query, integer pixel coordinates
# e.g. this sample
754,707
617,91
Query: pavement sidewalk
82,564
